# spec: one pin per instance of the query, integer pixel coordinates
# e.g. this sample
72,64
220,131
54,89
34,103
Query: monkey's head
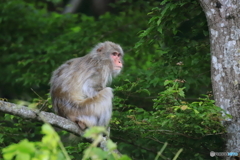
112,52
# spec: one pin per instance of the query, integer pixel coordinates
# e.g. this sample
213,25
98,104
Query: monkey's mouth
118,67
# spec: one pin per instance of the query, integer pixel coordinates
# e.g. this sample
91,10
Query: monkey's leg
83,126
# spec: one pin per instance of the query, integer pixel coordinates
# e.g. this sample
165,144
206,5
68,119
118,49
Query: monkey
79,87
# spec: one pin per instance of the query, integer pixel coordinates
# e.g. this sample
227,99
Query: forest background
164,93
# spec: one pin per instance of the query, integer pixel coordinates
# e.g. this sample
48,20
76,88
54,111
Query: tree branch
50,118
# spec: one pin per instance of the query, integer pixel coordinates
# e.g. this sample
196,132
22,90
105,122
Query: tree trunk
223,18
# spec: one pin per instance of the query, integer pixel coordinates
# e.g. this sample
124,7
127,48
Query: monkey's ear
100,49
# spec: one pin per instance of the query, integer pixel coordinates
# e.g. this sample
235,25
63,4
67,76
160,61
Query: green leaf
76,29
111,145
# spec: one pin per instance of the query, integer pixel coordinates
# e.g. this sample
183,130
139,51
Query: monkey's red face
117,61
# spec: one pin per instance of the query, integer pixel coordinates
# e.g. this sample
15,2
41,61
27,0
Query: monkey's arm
103,96
98,109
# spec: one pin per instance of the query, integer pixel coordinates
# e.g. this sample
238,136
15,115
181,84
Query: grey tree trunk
223,18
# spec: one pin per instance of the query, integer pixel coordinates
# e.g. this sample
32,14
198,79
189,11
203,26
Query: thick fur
78,87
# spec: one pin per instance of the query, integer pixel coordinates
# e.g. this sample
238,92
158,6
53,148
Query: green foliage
195,119
195,125
156,97
94,152
177,32
46,149
51,147
14,129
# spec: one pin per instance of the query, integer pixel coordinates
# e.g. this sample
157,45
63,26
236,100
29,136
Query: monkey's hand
106,92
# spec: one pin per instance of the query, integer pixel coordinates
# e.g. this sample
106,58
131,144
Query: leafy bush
195,126
51,147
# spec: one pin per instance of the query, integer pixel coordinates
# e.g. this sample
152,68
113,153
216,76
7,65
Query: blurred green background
162,40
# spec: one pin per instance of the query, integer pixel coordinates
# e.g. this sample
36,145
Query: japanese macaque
79,87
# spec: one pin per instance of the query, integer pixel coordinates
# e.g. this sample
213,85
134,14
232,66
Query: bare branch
50,118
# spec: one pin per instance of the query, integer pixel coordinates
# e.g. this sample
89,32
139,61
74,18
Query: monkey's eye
114,53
